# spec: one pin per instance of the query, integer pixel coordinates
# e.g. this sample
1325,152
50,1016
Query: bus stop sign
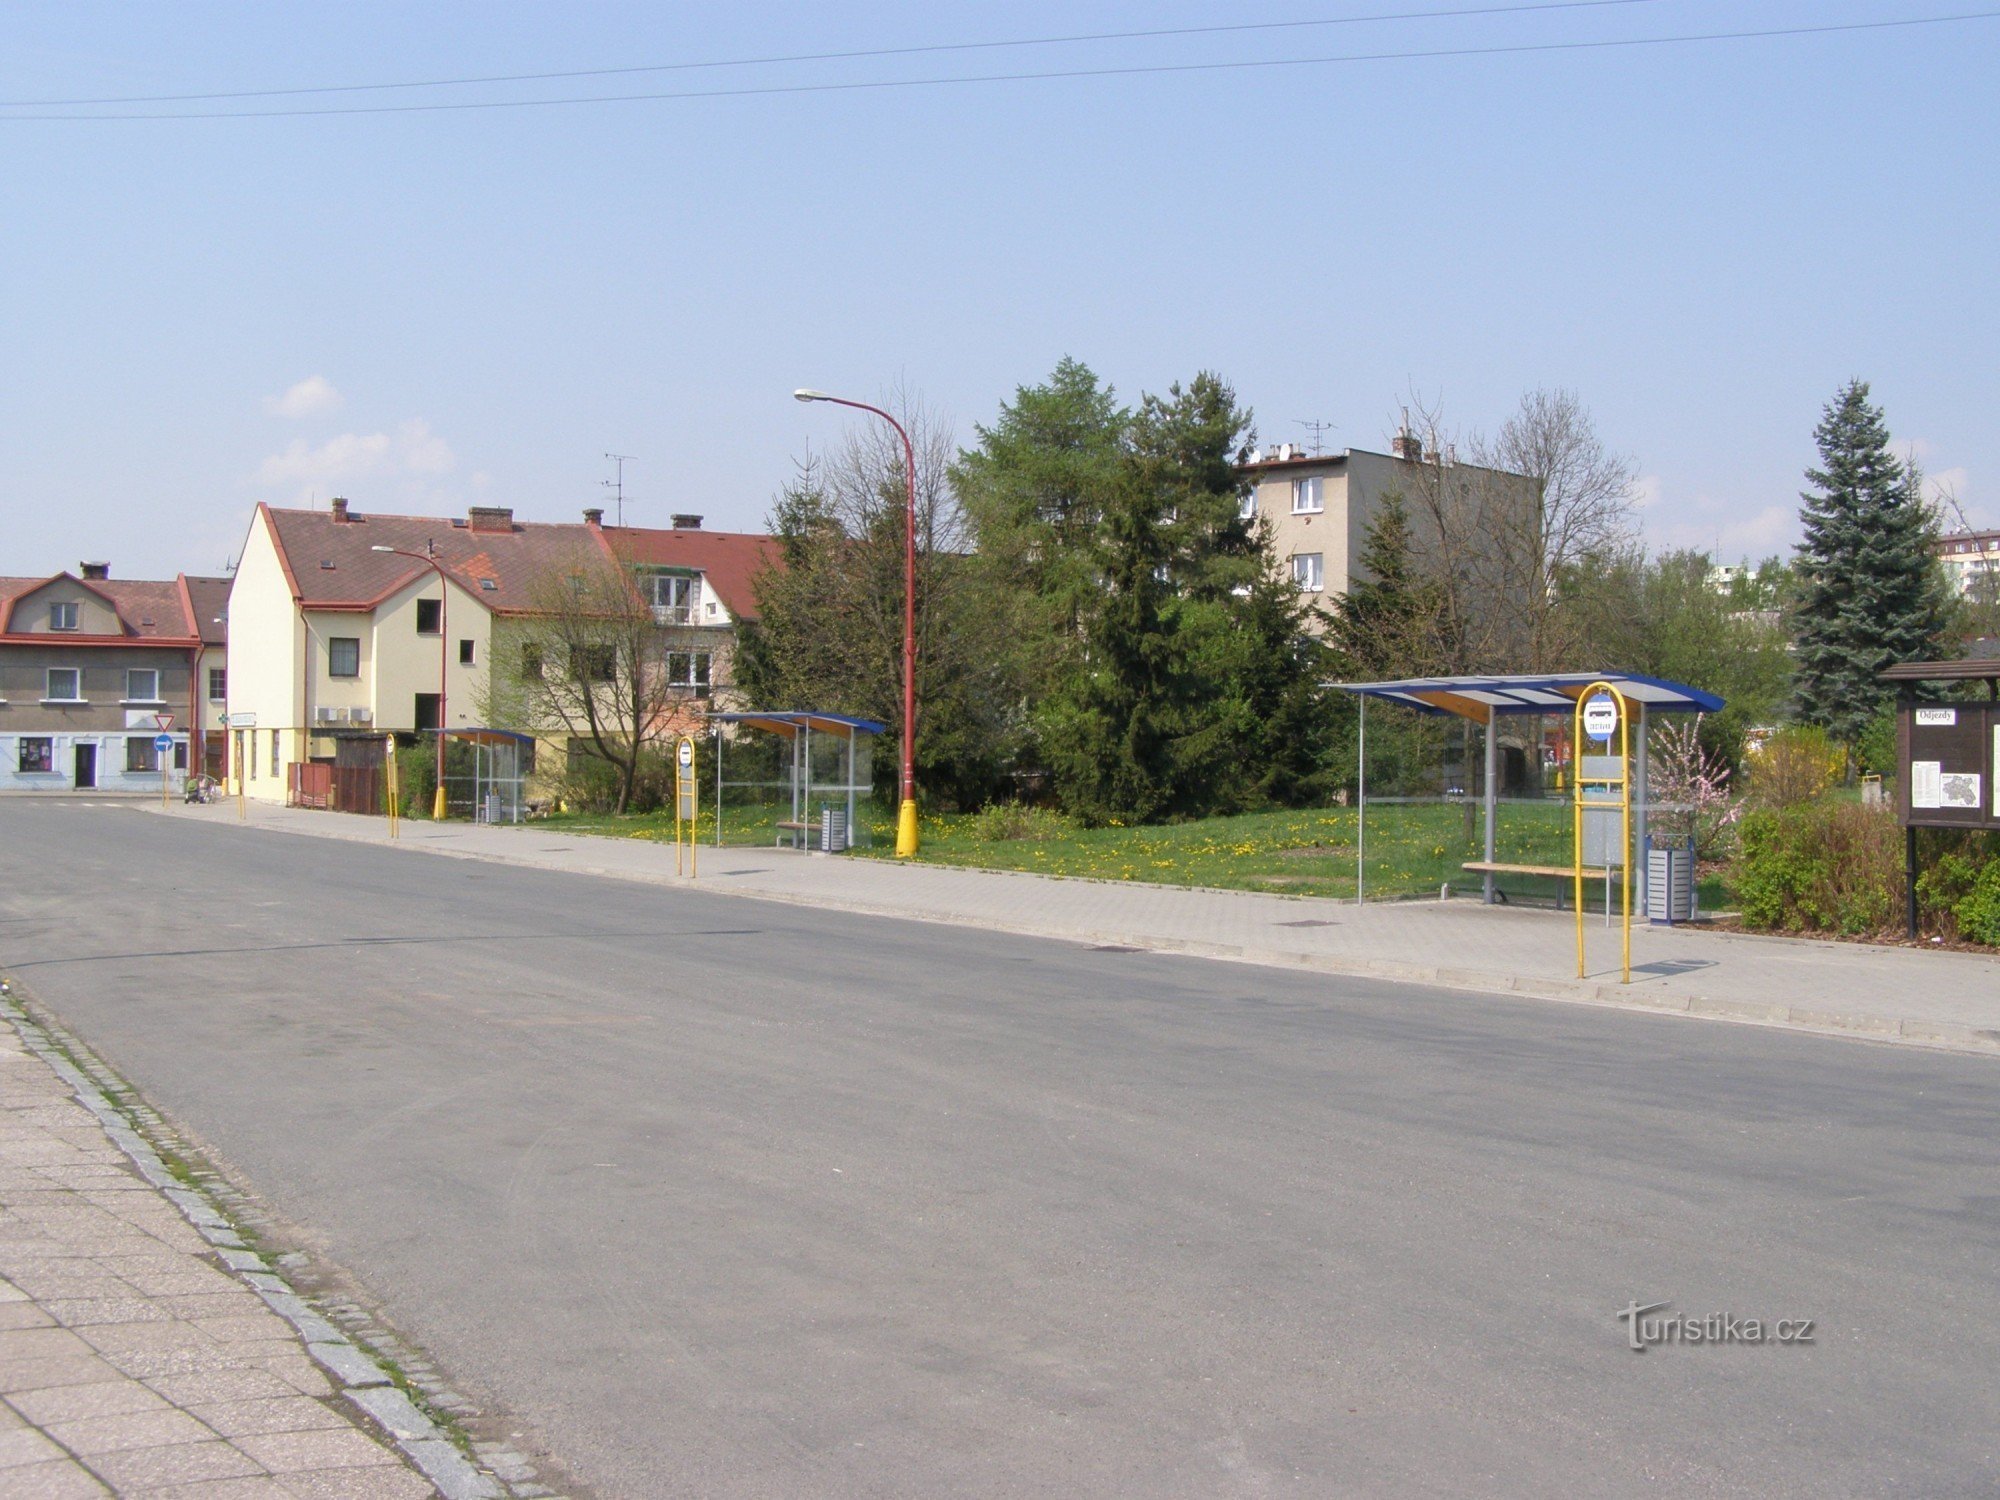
1600,717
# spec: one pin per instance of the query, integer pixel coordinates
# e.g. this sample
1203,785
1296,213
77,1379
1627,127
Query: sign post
395,792
1602,784
163,748
685,800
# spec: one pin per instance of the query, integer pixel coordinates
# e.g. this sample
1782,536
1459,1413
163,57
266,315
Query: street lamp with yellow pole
428,558
906,814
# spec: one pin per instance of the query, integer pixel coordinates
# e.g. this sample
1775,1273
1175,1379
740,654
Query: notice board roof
1481,697
1971,669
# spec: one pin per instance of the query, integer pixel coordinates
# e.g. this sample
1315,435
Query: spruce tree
1388,625
1869,587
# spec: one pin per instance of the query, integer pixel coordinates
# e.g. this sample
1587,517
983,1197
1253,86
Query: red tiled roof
209,599
729,559
149,609
513,562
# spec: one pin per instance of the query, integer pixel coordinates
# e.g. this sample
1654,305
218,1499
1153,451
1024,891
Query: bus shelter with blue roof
1485,699
795,767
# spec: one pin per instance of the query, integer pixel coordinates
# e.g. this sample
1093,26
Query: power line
877,85
805,57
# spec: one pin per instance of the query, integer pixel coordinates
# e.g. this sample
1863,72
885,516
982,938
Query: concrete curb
355,1372
1851,1026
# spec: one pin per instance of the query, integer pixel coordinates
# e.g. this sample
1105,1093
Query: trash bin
492,807
832,830
1669,882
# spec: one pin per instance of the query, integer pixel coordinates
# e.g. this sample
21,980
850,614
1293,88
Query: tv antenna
1318,431
618,485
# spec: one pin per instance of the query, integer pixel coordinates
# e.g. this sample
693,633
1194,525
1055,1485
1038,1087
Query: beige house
1319,506
348,627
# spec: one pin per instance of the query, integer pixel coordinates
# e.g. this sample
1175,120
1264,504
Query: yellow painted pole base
906,828
437,805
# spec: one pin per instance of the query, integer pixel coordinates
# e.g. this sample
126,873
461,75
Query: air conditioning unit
326,716
361,716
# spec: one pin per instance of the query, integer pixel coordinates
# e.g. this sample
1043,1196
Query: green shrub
1876,749
1978,911
1821,867
1013,820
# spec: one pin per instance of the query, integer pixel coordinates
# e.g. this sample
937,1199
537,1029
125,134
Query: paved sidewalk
131,1362
1892,994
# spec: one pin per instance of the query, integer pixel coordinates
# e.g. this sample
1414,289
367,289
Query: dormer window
63,616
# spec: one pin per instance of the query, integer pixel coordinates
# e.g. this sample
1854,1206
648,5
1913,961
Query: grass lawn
1412,849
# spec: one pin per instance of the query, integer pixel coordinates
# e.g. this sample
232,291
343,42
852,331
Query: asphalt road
731,1198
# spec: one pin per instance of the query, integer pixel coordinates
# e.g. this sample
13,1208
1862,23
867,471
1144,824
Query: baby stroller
202,789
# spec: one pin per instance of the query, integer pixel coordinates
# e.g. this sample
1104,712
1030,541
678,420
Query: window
1307,497
38,755
675,597
465,653
593,663
274,750
180,755
218,684
1306,571
428,714
140,754
430,616
62,616
142,685
65,685
1246,508
531,662
690,670
343,655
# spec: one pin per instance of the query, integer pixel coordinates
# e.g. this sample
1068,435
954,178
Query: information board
1949,753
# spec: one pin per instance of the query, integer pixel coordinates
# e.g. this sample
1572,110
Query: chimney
593,515
339,504
1407,445
98,571
684,522
489,518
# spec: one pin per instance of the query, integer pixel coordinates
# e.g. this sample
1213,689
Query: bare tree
588,660
1502,524
1585,507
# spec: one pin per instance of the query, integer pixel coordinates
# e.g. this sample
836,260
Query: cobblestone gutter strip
378,1388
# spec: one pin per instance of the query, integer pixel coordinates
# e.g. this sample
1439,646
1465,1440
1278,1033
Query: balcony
673,614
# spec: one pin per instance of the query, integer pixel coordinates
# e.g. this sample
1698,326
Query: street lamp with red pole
429,559
906,814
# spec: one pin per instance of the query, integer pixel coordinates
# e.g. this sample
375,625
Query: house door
86,768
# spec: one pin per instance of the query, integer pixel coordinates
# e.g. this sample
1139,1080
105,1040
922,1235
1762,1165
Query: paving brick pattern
131,1363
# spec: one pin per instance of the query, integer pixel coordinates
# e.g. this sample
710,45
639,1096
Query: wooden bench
1559,872
785,828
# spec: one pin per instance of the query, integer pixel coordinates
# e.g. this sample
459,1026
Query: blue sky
422,311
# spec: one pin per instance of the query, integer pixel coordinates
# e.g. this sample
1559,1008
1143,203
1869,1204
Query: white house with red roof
95,670
346,627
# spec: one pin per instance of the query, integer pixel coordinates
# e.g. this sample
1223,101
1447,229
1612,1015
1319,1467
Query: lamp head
802,394
379,548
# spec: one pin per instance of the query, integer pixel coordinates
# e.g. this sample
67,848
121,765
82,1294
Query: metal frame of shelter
799,726
496,772
1483,699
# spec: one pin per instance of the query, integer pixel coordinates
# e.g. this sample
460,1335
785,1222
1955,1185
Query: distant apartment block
1972,561
1319,506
